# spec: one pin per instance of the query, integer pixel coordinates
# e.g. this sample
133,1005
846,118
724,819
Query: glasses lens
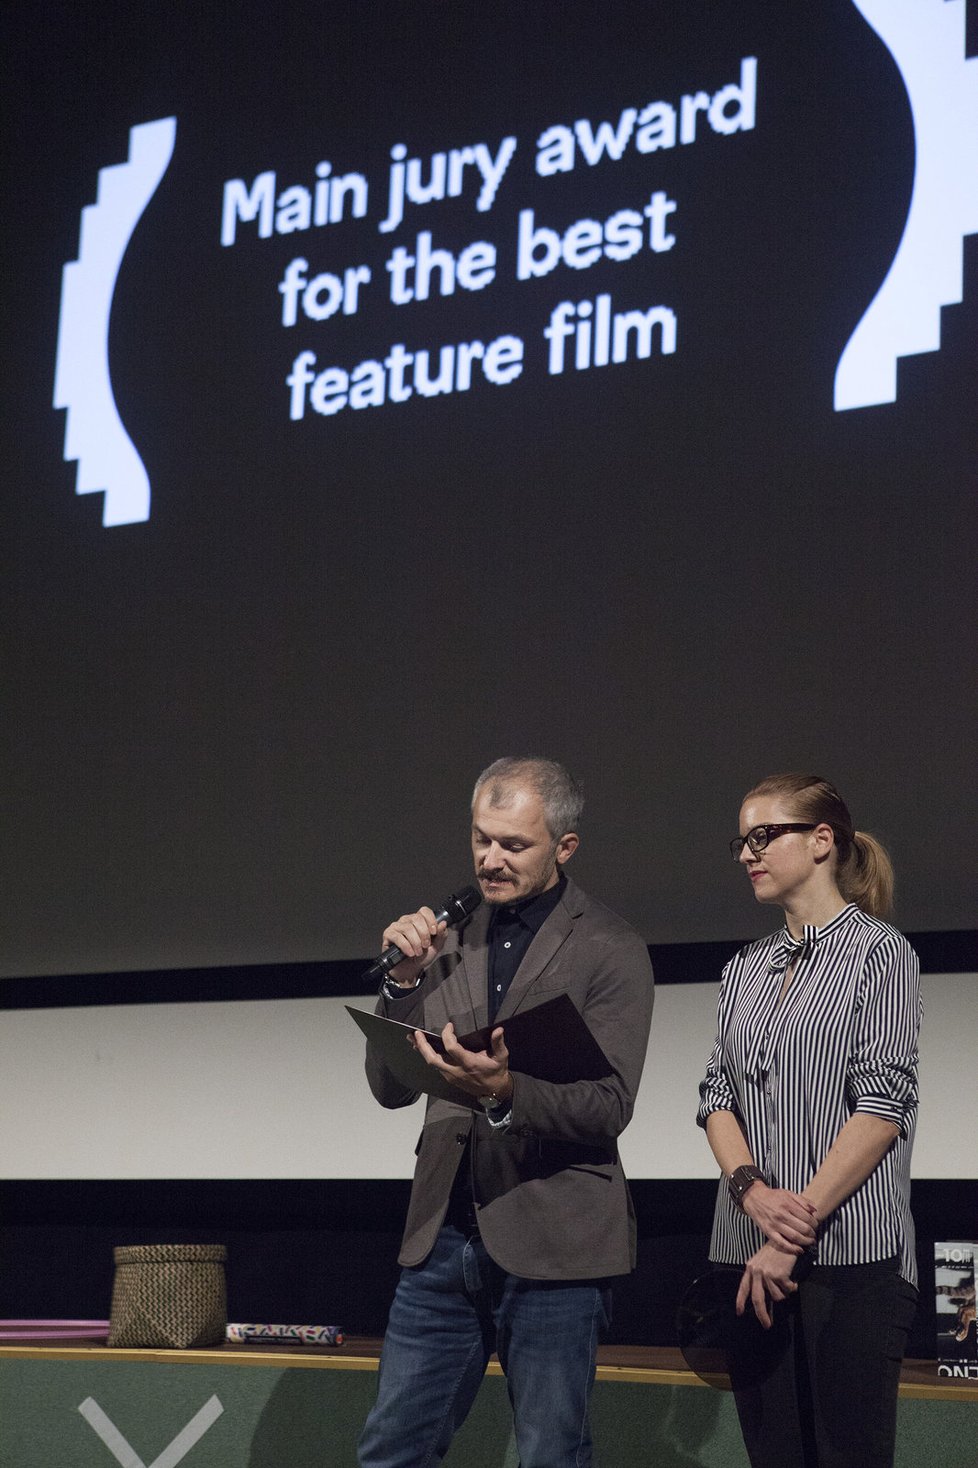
736,847
757,839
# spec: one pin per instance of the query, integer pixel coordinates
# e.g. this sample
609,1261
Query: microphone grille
461,903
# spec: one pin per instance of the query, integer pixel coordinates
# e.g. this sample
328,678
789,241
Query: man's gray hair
562,796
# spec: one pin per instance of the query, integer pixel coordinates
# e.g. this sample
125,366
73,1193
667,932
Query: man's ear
566,846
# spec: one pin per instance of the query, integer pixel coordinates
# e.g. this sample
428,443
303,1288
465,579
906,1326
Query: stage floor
259,1406
655,1365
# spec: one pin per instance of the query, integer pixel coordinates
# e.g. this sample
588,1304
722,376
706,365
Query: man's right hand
420,939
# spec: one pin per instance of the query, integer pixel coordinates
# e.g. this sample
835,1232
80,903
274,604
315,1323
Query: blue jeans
448,1315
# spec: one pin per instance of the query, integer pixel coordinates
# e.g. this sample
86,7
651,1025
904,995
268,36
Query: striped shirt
794,1069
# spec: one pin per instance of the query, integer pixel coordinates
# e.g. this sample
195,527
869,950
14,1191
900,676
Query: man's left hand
473,1071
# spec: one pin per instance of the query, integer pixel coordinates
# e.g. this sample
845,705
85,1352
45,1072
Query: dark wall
325,1252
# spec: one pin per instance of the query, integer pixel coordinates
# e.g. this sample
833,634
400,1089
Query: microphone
452,911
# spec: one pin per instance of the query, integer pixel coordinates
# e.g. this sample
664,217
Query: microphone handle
392,956
382,966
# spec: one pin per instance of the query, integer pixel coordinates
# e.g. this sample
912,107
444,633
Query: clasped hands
790,1224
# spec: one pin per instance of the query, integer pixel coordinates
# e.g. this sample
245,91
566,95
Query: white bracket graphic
175,1453
94,433
926,39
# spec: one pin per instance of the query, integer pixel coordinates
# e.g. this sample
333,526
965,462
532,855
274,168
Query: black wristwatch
741,1179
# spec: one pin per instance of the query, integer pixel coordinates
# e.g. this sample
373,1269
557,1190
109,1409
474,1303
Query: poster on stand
954,1283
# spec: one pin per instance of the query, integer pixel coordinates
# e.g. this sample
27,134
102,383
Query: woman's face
786,867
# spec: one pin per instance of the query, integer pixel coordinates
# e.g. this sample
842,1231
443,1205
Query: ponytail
865,877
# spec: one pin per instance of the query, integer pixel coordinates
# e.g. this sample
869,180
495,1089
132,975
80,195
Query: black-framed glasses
760,836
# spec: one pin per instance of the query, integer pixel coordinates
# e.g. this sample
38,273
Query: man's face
515,854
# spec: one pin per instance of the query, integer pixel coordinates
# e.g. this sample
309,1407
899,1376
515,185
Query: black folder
549,1041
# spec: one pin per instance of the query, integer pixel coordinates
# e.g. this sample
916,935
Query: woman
809,1105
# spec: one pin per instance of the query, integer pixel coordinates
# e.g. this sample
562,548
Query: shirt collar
787,947
532,912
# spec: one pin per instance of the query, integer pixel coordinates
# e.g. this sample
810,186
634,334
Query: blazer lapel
472,973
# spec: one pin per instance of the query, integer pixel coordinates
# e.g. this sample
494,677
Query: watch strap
741,1179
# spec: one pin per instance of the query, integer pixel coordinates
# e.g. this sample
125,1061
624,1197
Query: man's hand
420,939
472,1071
766,1277
786,1219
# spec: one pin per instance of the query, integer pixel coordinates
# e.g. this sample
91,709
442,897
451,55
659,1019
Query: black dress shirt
511,931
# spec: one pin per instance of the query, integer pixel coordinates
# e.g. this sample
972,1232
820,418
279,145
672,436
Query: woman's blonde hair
863,871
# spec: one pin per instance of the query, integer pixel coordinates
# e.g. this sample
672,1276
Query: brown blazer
554,1203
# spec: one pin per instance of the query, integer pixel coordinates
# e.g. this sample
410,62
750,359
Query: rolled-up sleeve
881,1078
716,1092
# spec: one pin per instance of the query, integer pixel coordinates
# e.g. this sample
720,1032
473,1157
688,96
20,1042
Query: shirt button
460,1137
507,944
499,988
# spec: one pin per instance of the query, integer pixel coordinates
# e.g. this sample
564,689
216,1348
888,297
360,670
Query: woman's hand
766,1277
785,1219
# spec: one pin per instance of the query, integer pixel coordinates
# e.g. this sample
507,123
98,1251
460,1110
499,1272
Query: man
519,1211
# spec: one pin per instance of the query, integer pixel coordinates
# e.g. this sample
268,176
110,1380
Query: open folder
550,1041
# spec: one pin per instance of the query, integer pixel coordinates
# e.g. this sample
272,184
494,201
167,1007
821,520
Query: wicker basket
169,1295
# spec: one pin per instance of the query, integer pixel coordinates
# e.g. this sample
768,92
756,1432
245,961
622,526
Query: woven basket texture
171,1296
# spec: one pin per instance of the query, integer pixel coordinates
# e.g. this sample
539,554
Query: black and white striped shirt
842,1039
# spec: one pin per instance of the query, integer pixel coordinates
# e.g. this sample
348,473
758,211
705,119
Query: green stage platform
86,1406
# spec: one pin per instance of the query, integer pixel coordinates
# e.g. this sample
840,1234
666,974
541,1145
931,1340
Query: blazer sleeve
385,1087
617,1009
